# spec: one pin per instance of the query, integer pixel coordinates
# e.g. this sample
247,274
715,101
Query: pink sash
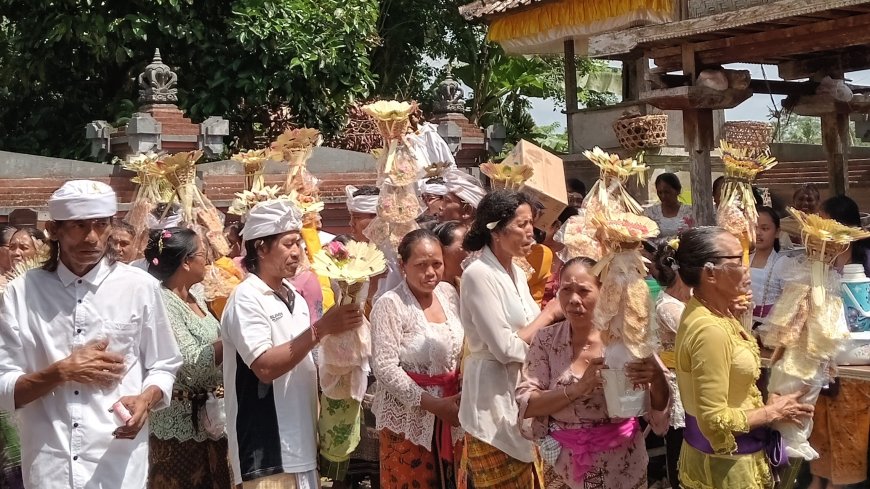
449,383
587,443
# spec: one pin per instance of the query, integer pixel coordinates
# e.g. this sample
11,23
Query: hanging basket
640,132
749,134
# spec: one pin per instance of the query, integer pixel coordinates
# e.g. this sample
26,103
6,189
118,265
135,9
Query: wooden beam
777,87
809,38
616,43
855,60
836,142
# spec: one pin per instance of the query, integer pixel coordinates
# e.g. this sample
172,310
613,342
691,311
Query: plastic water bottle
856,301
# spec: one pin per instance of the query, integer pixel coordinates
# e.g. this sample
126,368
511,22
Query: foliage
795,128
503,85
551,137
413,35
64,63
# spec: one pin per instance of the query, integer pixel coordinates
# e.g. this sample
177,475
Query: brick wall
220,189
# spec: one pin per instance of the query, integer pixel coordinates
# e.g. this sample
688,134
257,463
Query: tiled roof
486,8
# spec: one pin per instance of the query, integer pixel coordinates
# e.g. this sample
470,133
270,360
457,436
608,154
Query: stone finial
450,97
157,83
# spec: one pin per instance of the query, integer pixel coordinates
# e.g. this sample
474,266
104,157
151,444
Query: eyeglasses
726,257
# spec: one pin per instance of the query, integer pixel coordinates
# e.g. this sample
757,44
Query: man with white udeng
86,352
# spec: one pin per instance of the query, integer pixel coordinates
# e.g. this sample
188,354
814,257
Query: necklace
712,309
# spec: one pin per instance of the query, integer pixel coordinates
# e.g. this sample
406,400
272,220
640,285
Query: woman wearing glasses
717,363
183,453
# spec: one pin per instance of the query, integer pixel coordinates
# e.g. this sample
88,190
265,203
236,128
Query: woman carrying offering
561,393
500,318
417,342
184,454
726,441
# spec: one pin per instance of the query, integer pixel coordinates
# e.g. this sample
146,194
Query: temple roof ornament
157,84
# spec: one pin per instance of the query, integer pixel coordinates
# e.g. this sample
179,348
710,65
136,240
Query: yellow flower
251,158
304,137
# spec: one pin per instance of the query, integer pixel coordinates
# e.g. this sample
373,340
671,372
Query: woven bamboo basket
825,252
645,131
749,134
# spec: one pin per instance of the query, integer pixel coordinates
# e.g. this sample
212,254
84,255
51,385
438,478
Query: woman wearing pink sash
417,342
561,395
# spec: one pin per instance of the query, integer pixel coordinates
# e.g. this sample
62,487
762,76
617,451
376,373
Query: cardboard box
547,184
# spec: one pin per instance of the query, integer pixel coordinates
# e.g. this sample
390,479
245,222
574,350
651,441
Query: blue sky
756,108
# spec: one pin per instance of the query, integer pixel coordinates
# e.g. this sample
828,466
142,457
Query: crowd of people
486,364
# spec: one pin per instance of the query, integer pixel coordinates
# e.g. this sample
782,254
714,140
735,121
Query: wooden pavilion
664,46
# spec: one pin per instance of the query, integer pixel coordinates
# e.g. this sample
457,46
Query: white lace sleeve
387,336
668,314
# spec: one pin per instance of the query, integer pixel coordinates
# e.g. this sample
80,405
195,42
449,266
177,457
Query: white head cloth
271,217
364,204
435,188
464,186
82,199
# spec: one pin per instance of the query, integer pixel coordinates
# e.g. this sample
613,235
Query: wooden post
571,106
698,135
836,141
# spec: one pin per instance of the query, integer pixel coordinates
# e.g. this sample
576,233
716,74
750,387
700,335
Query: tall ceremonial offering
736,213
609,191
624,309
254,163
295,147
343,362
152,188
611,229
807,324
400,165
196,208
344,358
582,234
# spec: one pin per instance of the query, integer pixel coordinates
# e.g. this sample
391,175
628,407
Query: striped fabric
490,467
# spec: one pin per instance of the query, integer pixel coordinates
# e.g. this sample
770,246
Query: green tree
503,85
64,63
413,34
793,128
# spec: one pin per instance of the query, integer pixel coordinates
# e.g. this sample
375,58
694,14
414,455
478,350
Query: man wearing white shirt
77,337
270,375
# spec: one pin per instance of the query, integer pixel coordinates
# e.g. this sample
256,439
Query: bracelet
314,334
565,393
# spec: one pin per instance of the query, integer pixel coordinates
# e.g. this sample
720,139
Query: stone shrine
159,125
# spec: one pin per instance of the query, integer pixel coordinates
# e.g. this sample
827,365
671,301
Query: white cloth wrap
270,218
464,186
82,199
364,204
